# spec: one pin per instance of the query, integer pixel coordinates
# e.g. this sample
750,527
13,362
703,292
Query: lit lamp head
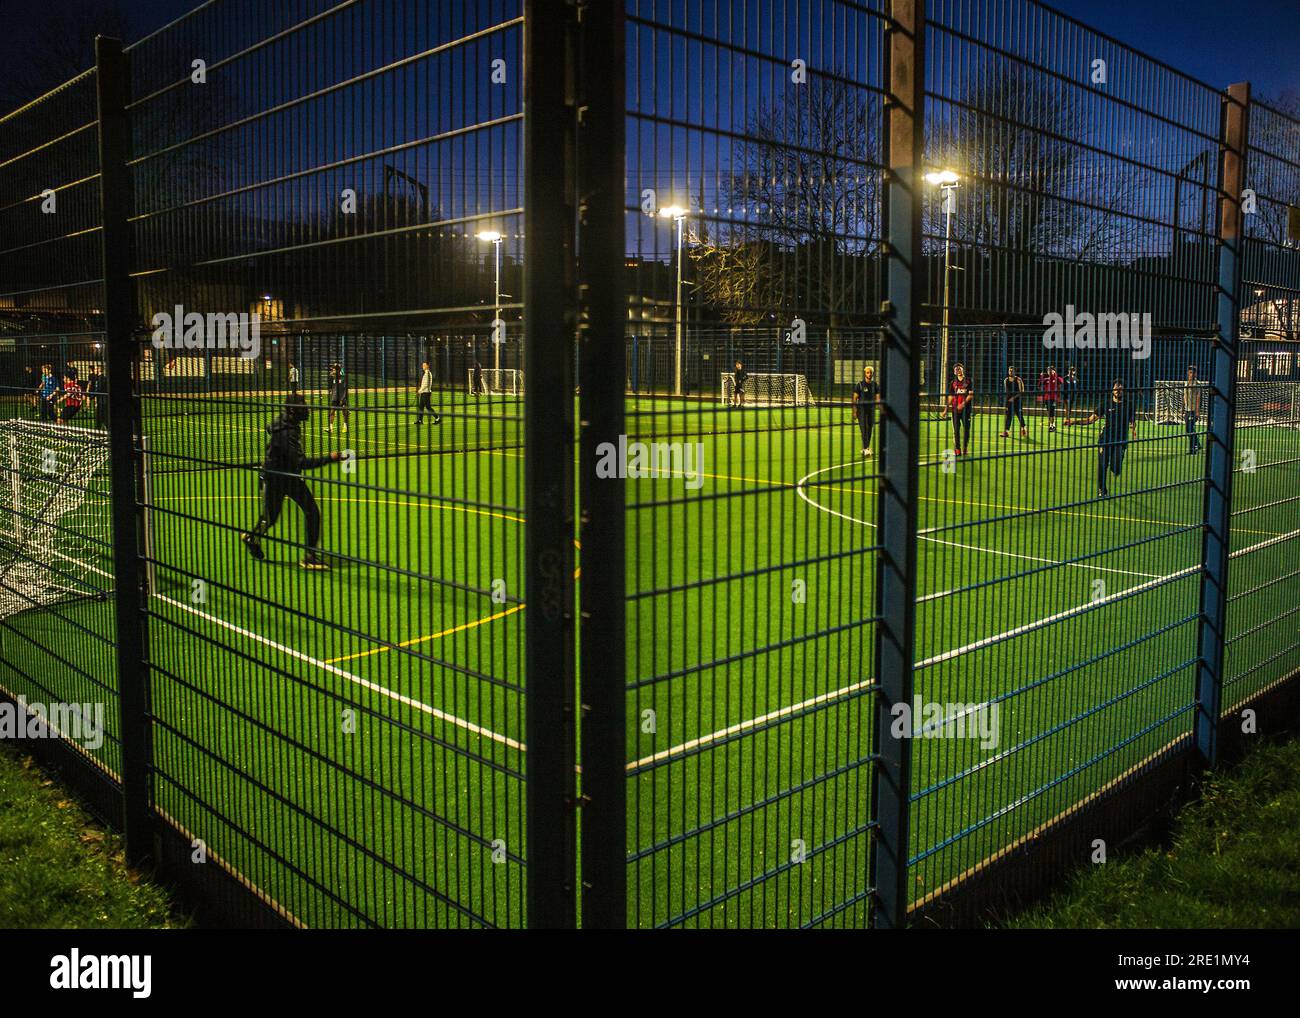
673,212
490,236
942,178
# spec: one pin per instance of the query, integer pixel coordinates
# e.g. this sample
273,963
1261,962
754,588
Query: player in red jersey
961,404
1049,385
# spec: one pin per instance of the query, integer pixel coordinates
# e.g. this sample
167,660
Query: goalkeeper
281,478
738,379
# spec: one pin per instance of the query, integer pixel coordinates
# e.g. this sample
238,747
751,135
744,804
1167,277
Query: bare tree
807,183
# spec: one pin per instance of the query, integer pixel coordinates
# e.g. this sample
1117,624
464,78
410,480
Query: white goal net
55,521
1171,397
1257,402
496,381
1268,403
766,389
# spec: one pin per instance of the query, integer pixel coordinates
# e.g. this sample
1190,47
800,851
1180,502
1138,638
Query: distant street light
678,215
494,238
947,181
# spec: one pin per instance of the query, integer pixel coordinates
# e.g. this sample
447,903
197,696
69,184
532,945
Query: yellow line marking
428,639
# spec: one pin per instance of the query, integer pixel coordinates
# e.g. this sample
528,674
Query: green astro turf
351,742
1234,862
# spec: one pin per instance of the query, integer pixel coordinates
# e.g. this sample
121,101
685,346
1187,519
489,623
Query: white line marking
374,687
722,733
921,536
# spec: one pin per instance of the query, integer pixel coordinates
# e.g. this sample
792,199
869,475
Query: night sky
1218,41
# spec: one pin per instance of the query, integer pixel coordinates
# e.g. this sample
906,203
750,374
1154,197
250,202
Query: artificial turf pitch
352,742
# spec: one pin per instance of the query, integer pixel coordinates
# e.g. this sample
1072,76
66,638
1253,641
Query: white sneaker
865,453
329,429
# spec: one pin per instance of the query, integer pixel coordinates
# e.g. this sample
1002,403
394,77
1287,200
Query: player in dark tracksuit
738,385
97,390
1119,417
338,397
281,478
961,404
1013,388
865,395
1070,392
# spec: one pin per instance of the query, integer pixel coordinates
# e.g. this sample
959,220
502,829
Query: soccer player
961,404
294,378
338,397
425,395
1119,417
477,387
71,397
46,392
97,390
865,395
1050,385
738,385
1013,387
281,478
29,386
1070,391
1191,409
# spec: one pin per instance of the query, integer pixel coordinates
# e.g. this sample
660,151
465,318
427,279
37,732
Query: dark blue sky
1219,41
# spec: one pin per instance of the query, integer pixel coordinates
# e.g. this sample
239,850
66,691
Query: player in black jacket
281,478
338,397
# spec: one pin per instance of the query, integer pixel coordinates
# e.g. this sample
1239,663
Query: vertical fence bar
904,132
603,314
113,85
548,466
1223,404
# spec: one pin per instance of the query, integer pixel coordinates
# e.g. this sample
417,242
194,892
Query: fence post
548,466
1221,416
113,86
900,425
602,322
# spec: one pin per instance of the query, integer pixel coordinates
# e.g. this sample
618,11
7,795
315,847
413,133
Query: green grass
61,870
1233,862
351,742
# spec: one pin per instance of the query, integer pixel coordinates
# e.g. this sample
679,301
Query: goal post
56,523
1169,400
765,389
1257,402
496,382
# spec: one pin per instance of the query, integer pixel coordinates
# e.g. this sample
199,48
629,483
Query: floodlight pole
677,360
496,315
949,205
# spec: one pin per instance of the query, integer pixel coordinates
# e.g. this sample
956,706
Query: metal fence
638,611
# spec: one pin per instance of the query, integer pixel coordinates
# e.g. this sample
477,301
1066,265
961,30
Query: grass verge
60,869
1233,862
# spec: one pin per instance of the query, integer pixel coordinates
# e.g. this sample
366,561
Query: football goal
55,523
496,382
765,389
